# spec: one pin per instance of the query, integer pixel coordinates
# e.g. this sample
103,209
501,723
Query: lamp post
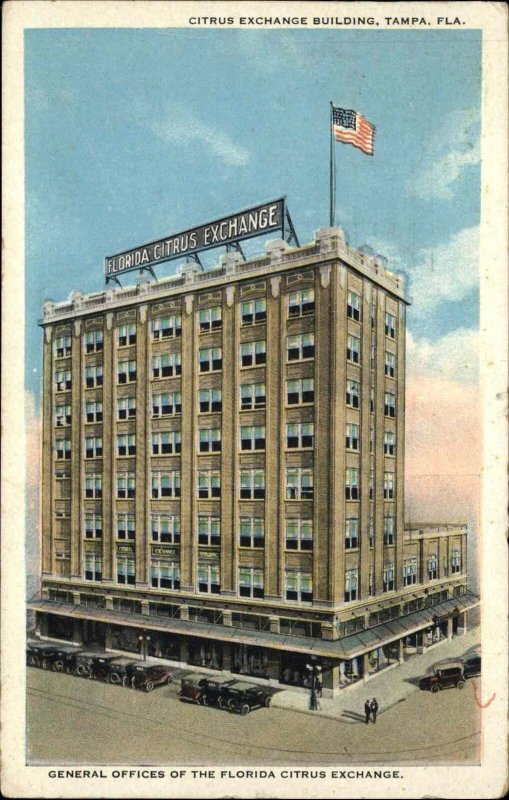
144,640
314,671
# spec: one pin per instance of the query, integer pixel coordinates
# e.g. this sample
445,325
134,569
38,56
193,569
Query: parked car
191,687
472,665
93,665
445,676
119,670
243,697
40,654
64,659
214,691
148,676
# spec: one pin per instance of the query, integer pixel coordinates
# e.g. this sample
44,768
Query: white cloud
454,357
454,147
185,130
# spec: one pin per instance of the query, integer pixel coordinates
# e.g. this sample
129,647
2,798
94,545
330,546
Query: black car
472,665
93,665
243,697
41,655
119,670
445,676
214,691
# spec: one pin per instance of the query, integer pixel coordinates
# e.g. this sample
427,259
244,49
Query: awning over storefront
345,648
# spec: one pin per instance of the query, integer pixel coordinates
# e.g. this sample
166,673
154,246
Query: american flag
350,127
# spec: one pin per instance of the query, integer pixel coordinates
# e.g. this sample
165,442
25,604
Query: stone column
449,628
184,651
47,452
77,631
228,443
337,427
109,462
188,476
400,446
330,681
273,379
365,425
379,441
274,666
142,449
365,667
401,651
76,451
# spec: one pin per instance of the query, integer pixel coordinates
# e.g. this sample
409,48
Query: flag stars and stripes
350,127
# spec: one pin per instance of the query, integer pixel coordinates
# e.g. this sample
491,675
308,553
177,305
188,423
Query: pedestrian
367,710
374,708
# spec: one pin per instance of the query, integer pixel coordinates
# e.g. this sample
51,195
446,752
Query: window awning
345,648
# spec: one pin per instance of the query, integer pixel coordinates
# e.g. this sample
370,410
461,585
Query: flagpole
331,171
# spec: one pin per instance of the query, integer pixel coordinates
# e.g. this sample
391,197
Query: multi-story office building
223,471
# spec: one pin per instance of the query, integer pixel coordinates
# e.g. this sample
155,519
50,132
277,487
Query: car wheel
114,678
244,709
268,701
221,703
58,665
149,686
461,684
435,688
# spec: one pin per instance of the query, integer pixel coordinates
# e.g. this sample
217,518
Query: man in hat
374,708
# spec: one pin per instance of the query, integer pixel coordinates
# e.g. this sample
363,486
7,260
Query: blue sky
132,135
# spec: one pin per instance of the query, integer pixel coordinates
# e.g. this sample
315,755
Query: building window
125,526
351,584
165,575
165,528
63,415
93,567
62,346
126,570
371,531
94,341
302,303
372,399
352,436
93,411
166,366
126,371
252,396
388,530
208,578
210,319
300,435
298,586
250,582
371,482
252,531
125,485
209,531
389,443
126,408
253,353
352,491
126,444
210,400
353,390
167,327
252,484
352,533
353,308
390,325
63,380
299,483
93,525
209,484
409,571
300,391
299,534
389,478
301,346
166,404
455,561
254,311
432,567
166,443
388,584
93,446
390,364
252,437
210,359
126,335
353,349
390,404
209,440
93,485
165,484
93,376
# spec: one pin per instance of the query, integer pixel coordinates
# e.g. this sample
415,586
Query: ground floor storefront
359,657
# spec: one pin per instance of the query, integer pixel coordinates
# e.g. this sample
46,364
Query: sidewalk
389,688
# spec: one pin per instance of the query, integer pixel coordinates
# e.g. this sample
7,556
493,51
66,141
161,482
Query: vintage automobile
472,665
444,676
147,676
213,691
93,665
40,654
242,697
64,659
119,670
191,687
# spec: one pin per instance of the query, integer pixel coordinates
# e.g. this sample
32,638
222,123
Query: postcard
254,399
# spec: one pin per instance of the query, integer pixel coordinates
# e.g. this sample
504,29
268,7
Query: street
72,720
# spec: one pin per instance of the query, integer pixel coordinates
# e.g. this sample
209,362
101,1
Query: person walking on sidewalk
367,710
374,708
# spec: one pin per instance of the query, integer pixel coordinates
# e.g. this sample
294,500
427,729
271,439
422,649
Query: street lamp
314,671
144,640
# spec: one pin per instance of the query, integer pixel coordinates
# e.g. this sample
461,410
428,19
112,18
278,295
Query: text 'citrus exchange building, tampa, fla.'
223,471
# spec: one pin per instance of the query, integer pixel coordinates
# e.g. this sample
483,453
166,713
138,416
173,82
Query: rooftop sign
229,230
